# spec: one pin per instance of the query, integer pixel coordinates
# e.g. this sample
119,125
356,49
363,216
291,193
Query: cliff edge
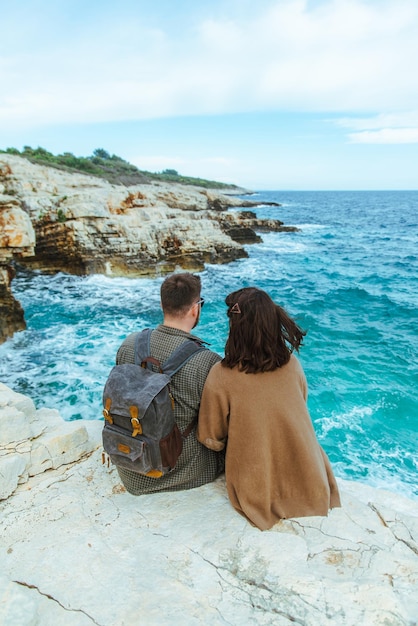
76,549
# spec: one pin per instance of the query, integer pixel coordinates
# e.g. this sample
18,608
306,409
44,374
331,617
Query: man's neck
180,323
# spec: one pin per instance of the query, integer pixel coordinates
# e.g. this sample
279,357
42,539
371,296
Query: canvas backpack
139,432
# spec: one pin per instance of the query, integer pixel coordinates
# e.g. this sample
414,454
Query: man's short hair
179,292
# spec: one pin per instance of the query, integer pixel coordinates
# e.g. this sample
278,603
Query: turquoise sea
349,276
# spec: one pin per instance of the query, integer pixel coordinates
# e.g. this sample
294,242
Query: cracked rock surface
75,548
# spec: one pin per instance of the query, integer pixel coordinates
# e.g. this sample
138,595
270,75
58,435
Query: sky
266,94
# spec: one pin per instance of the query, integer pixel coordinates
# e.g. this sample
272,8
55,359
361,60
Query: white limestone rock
17,412
22,605
12,467
62,443
85,224
34,441
23,403
16,230
188,558
76,548
14,426
17,607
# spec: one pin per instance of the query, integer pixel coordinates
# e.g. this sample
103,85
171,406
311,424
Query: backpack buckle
136,424
106,411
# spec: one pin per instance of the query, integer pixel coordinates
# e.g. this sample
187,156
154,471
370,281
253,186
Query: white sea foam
350,421
310,226
283,247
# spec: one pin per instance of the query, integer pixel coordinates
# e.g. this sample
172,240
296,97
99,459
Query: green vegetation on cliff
110,167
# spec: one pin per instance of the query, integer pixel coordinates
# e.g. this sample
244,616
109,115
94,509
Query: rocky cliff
57,221
17,241
76,549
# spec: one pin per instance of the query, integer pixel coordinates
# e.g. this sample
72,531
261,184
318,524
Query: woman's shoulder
295,366
298,372
294,362
218,373
216,369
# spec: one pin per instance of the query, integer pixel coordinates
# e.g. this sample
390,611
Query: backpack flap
131,386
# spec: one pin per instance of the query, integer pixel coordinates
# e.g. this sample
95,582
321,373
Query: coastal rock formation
82,225
86,225
17,240
76,549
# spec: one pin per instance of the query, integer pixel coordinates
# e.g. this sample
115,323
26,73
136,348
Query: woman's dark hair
179,292
262,335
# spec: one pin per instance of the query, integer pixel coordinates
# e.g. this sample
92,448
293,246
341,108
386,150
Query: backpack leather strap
173,364
189,429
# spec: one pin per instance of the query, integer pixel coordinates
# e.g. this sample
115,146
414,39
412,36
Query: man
181,303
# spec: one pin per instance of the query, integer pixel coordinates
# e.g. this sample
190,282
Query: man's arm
203,363
212,427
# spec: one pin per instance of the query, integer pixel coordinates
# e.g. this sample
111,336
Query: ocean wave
351,420
361,449
365,295
310,226
282,246
381,469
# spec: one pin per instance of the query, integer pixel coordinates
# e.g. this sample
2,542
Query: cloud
335,55
386,135
398,128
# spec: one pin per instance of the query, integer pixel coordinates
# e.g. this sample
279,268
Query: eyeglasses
201,302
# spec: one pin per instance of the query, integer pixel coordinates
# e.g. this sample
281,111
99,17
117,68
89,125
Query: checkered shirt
196,465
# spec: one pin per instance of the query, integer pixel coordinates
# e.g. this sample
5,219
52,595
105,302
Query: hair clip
235,308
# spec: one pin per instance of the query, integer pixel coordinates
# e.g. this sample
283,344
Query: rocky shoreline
56,221
77,550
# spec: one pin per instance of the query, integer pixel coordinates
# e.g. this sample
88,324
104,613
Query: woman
254,402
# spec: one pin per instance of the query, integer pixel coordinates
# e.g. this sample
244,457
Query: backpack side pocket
132,453
171,447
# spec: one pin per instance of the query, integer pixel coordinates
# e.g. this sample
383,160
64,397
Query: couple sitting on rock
253,419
